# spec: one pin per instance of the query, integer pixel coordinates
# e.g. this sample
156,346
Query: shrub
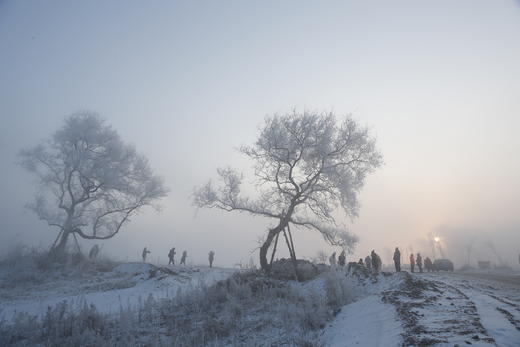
339,290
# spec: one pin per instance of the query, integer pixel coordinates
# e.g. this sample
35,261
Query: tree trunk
293,256
263,249
284,221
292,244
58,251
274,250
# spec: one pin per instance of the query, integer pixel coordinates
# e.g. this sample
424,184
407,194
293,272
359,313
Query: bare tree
90,182
307,167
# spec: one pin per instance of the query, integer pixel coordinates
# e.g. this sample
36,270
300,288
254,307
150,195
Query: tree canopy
308,166
89,181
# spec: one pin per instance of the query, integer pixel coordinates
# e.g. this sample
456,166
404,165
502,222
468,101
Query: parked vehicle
443,264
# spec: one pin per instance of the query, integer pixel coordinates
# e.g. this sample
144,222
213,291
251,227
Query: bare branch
306,164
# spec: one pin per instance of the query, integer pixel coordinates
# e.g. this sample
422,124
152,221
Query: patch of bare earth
434,312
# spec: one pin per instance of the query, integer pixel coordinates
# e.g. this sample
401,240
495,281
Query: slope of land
96,303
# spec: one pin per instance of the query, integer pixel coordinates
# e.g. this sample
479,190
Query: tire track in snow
499,322
436,313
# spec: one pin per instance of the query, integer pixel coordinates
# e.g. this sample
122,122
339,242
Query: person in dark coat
171,256
211,257
183,258
428,265
376,262
419,262
342,258
412,262
397,260
145,253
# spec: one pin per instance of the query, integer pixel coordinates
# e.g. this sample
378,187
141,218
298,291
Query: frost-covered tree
90,182
308,166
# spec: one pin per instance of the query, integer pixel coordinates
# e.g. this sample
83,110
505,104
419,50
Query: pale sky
438,82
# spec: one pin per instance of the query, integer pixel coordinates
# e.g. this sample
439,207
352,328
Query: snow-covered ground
126,285
441,309
495,297
366,322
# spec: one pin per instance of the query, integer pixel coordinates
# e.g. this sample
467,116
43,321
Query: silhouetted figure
412,263
360,261
171,256
183,258
145,253
211,256
419,262
397,260
342,258
428,264
332,260
376,262
368,263
94,251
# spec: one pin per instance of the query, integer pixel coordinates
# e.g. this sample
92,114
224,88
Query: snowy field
440,309
126,285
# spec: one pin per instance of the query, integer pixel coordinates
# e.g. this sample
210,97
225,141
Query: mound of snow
135,268
283,269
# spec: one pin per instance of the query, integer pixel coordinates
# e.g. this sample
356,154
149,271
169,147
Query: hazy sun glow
436,238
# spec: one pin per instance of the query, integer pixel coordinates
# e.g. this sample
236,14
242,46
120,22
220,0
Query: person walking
211,256
428,264
183,258
144,254
412,262
342,258
171,256
419,262
368,263
397,260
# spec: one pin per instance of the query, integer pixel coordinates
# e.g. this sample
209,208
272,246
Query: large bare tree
90,182
308,167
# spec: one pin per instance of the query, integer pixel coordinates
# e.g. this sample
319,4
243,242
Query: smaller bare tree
308,166
90,182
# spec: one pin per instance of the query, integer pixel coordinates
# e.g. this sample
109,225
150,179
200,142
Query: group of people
372,262
341,259
171,256
417,260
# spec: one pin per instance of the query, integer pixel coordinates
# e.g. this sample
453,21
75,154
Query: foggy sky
188,82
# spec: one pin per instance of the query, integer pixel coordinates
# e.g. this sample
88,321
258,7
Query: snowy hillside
134,303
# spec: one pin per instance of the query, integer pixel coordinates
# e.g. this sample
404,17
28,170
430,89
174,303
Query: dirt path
437,313
441,309
496,298
502,278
